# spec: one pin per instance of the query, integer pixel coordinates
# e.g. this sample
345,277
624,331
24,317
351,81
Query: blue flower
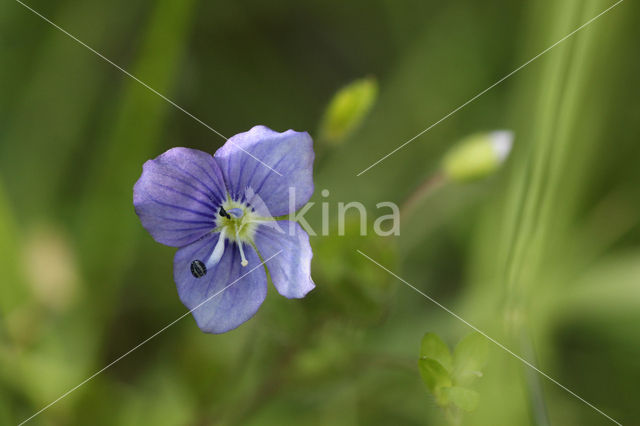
219,210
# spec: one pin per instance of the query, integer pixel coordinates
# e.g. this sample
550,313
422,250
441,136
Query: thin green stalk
426,189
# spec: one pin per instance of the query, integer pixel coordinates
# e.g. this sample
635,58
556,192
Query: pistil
218,250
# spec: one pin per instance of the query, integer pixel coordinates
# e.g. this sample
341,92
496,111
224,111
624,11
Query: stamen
244,261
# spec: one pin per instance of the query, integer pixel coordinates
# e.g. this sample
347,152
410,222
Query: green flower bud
477,156
347,109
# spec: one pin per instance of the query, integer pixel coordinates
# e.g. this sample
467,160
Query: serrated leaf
434,375
347,109
469,357
432,346
463,398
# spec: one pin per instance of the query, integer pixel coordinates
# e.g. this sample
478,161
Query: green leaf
463,398
469,357
433,347
347,109
434,375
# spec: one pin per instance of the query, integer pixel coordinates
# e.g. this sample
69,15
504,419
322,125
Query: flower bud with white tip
477,156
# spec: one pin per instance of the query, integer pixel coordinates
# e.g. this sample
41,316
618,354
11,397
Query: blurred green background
544,256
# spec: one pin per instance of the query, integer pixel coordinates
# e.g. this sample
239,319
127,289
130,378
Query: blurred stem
426,189
377,361
323,151
453,416
268,388
534,385
540,198
15,294
108,229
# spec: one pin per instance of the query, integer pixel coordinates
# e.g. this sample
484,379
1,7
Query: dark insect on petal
198,269
229,294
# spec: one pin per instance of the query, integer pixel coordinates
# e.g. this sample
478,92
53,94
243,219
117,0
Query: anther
224,213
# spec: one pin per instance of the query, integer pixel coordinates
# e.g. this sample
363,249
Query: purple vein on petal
186,172
253,173
196,212
186,221
214,170
234,261
187,183
240,195
211,178
190,236
226,176
202,203
198,228
257,191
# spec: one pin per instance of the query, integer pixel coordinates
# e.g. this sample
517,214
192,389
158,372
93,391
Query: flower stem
453,416
427,188
534,386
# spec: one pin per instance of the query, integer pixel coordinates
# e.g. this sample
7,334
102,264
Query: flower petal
289,153
228,294
177,195
291,270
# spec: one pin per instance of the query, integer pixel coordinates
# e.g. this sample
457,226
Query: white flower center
236,222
